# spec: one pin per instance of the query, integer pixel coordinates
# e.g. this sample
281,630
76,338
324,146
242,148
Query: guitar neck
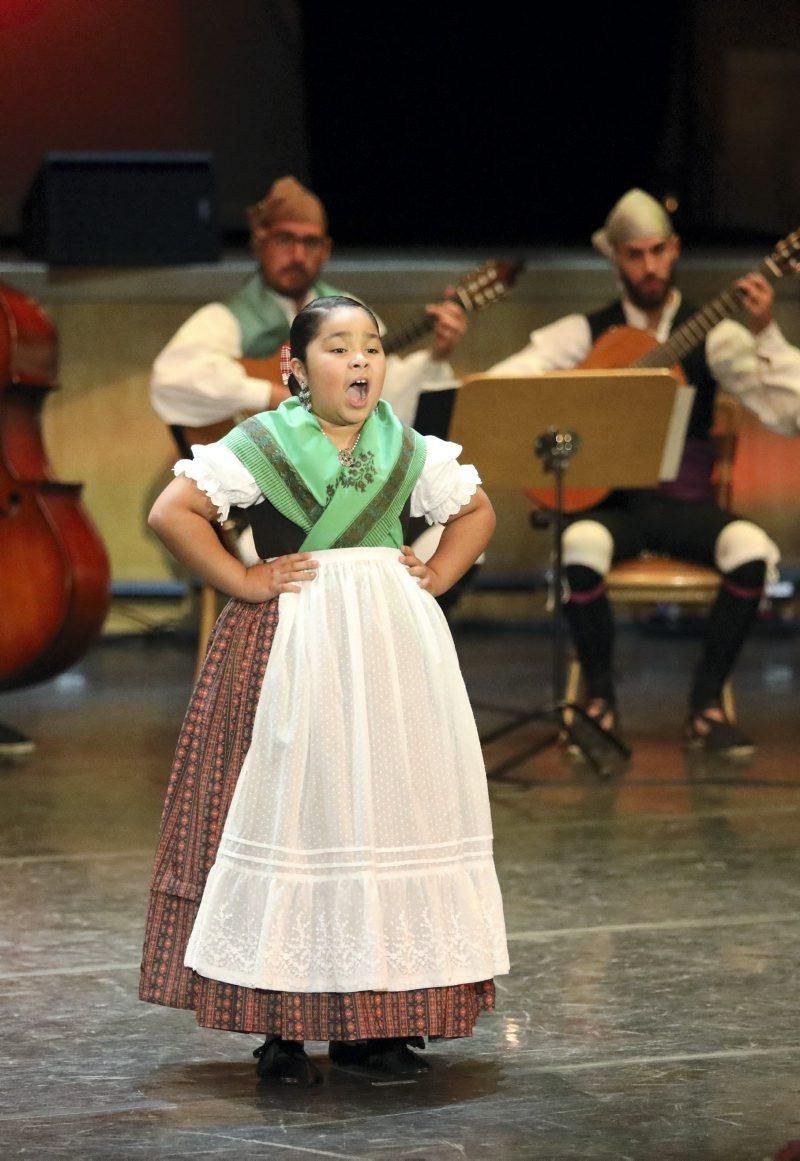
409,333
478,289
691,333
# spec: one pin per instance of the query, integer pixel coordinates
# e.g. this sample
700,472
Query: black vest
276,535
695,367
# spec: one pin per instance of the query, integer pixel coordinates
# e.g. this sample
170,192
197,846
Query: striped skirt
213,744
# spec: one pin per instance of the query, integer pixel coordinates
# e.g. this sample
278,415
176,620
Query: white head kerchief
636,215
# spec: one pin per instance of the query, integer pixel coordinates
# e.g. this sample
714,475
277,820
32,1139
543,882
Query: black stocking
729,621
591,622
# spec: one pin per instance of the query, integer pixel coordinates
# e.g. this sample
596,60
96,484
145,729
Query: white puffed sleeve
223,478
444,485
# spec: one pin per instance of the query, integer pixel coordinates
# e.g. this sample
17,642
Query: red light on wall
16,12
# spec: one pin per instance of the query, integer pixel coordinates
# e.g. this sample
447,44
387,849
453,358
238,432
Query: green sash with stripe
337,505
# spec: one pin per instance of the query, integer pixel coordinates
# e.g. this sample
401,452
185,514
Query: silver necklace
346,453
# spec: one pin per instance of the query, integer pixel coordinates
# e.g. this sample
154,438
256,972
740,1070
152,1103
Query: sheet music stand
522,432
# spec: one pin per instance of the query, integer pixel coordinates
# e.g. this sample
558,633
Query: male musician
218,366
753,362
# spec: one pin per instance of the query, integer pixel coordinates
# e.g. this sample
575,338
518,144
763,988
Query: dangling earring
304,395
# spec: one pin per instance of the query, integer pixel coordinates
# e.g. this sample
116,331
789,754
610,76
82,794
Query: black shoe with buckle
388,1057
710,730
285,1062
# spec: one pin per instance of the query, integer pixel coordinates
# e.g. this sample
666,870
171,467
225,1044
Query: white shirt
197,379
762,371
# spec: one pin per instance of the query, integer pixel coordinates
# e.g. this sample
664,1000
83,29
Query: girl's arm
181,517
464,538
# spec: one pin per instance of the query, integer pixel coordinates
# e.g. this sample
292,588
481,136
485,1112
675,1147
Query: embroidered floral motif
386,506
359,473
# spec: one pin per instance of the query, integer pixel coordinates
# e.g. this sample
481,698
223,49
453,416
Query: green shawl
337,505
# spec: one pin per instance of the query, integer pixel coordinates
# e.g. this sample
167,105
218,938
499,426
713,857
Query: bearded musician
750,360
223,363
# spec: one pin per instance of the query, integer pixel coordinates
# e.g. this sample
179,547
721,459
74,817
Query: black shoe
603,713
13,744
285,1061
716,735
388,1057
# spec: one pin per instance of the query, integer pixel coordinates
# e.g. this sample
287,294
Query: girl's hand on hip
284,574
426,577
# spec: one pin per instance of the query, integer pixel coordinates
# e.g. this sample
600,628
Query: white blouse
443,487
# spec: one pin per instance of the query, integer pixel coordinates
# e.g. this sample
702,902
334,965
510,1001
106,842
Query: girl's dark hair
307,322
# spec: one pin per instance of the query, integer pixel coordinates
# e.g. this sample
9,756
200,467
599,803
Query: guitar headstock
487,284
785,258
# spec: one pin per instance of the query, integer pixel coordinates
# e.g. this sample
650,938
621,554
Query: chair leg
573,685
728,702
208,615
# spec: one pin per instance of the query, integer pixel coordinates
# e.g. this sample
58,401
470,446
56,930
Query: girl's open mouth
357,392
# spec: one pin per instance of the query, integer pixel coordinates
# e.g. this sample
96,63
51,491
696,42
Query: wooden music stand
628,429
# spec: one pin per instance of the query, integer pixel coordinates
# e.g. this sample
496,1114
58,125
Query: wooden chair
652,579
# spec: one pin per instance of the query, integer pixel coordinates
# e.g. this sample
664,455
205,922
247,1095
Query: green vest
261,320
337,505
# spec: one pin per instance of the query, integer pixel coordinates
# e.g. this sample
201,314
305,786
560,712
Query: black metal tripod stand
602,750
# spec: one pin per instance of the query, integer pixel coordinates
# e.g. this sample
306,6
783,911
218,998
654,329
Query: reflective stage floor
651,1011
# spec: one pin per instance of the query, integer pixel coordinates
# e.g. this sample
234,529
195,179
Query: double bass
54,571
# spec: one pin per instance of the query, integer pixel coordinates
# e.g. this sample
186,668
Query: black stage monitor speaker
122,209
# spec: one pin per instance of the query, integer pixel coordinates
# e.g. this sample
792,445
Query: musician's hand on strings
757,297
450,328
284,574
425,576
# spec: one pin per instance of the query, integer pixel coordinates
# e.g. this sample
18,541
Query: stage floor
651,1011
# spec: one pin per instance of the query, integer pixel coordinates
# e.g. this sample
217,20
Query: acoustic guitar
478,289
624,346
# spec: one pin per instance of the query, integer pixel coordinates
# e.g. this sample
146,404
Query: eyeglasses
311,243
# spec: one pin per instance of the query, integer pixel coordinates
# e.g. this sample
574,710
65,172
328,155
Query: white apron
357,853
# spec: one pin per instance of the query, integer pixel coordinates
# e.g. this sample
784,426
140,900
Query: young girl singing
325,866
